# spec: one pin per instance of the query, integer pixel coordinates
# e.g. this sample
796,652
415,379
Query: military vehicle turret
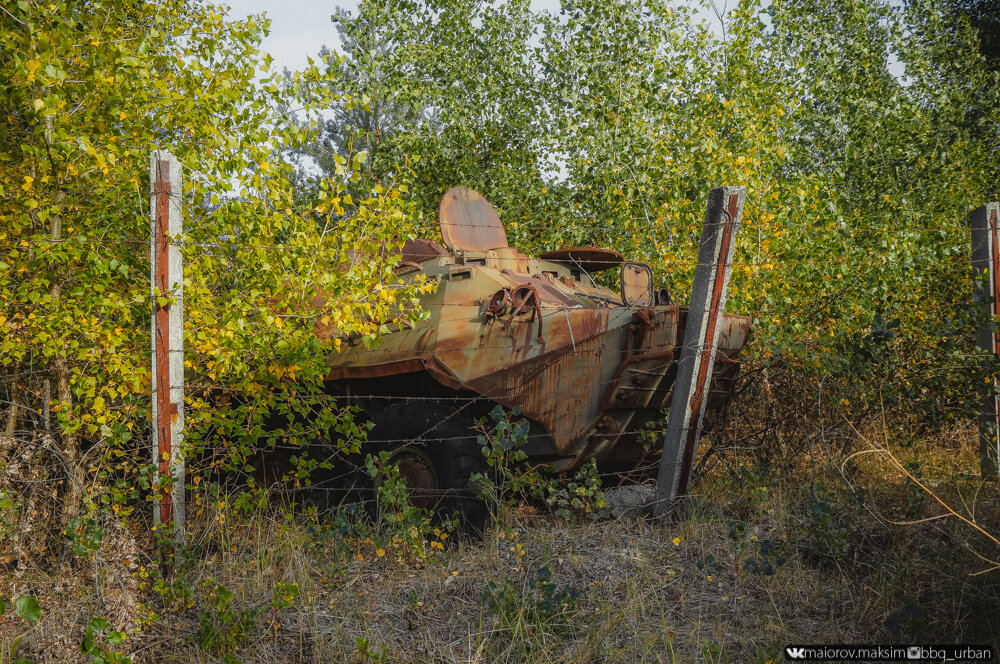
587,365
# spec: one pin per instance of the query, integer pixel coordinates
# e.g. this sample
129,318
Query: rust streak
162,316
995,257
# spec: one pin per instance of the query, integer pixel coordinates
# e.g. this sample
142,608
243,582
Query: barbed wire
851,263
403,352
750,218
416,438
146,352
344,458
42,241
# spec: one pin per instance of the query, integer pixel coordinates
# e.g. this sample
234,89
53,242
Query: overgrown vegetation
864,131
514,480
840,501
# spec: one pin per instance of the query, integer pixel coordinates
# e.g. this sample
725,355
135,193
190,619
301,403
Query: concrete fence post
698,348
166,282
983,222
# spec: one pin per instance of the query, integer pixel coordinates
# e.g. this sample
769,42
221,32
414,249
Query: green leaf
98,624
28,609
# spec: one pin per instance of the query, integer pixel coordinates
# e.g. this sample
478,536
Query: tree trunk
69,444
7,440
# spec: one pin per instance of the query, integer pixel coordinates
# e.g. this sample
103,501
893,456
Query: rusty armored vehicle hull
588,366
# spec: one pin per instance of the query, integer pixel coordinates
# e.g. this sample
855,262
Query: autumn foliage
864,131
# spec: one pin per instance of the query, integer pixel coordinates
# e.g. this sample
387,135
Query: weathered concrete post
698,349
166,281
986,269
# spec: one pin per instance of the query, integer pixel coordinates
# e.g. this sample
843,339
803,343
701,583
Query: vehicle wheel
416,469
460,460
437,455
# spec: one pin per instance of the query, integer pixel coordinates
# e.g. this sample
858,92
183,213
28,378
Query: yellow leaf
677,541
38,104
27,183
32,65
380,552
266,167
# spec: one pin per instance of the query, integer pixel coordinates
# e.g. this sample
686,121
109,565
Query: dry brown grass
749,564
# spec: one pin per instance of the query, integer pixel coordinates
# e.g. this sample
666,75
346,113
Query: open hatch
468,222
589,259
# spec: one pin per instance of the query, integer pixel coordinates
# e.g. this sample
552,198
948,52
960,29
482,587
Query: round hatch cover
468,221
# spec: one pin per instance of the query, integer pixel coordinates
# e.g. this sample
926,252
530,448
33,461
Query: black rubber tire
447,438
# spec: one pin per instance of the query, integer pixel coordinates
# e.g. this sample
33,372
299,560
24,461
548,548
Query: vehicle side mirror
637,284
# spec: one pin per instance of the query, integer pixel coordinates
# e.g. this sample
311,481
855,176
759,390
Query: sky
299,28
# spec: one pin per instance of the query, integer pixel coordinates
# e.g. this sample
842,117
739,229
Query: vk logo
795,653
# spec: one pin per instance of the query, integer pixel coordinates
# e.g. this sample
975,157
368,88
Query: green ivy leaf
28,608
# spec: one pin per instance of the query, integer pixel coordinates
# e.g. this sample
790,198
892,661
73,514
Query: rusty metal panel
560,389
468,222
418,251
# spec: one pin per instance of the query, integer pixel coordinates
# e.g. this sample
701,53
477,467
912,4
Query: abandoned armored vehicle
588,366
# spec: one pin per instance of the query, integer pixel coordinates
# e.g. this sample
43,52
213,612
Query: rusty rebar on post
166,281
983,223
699,345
